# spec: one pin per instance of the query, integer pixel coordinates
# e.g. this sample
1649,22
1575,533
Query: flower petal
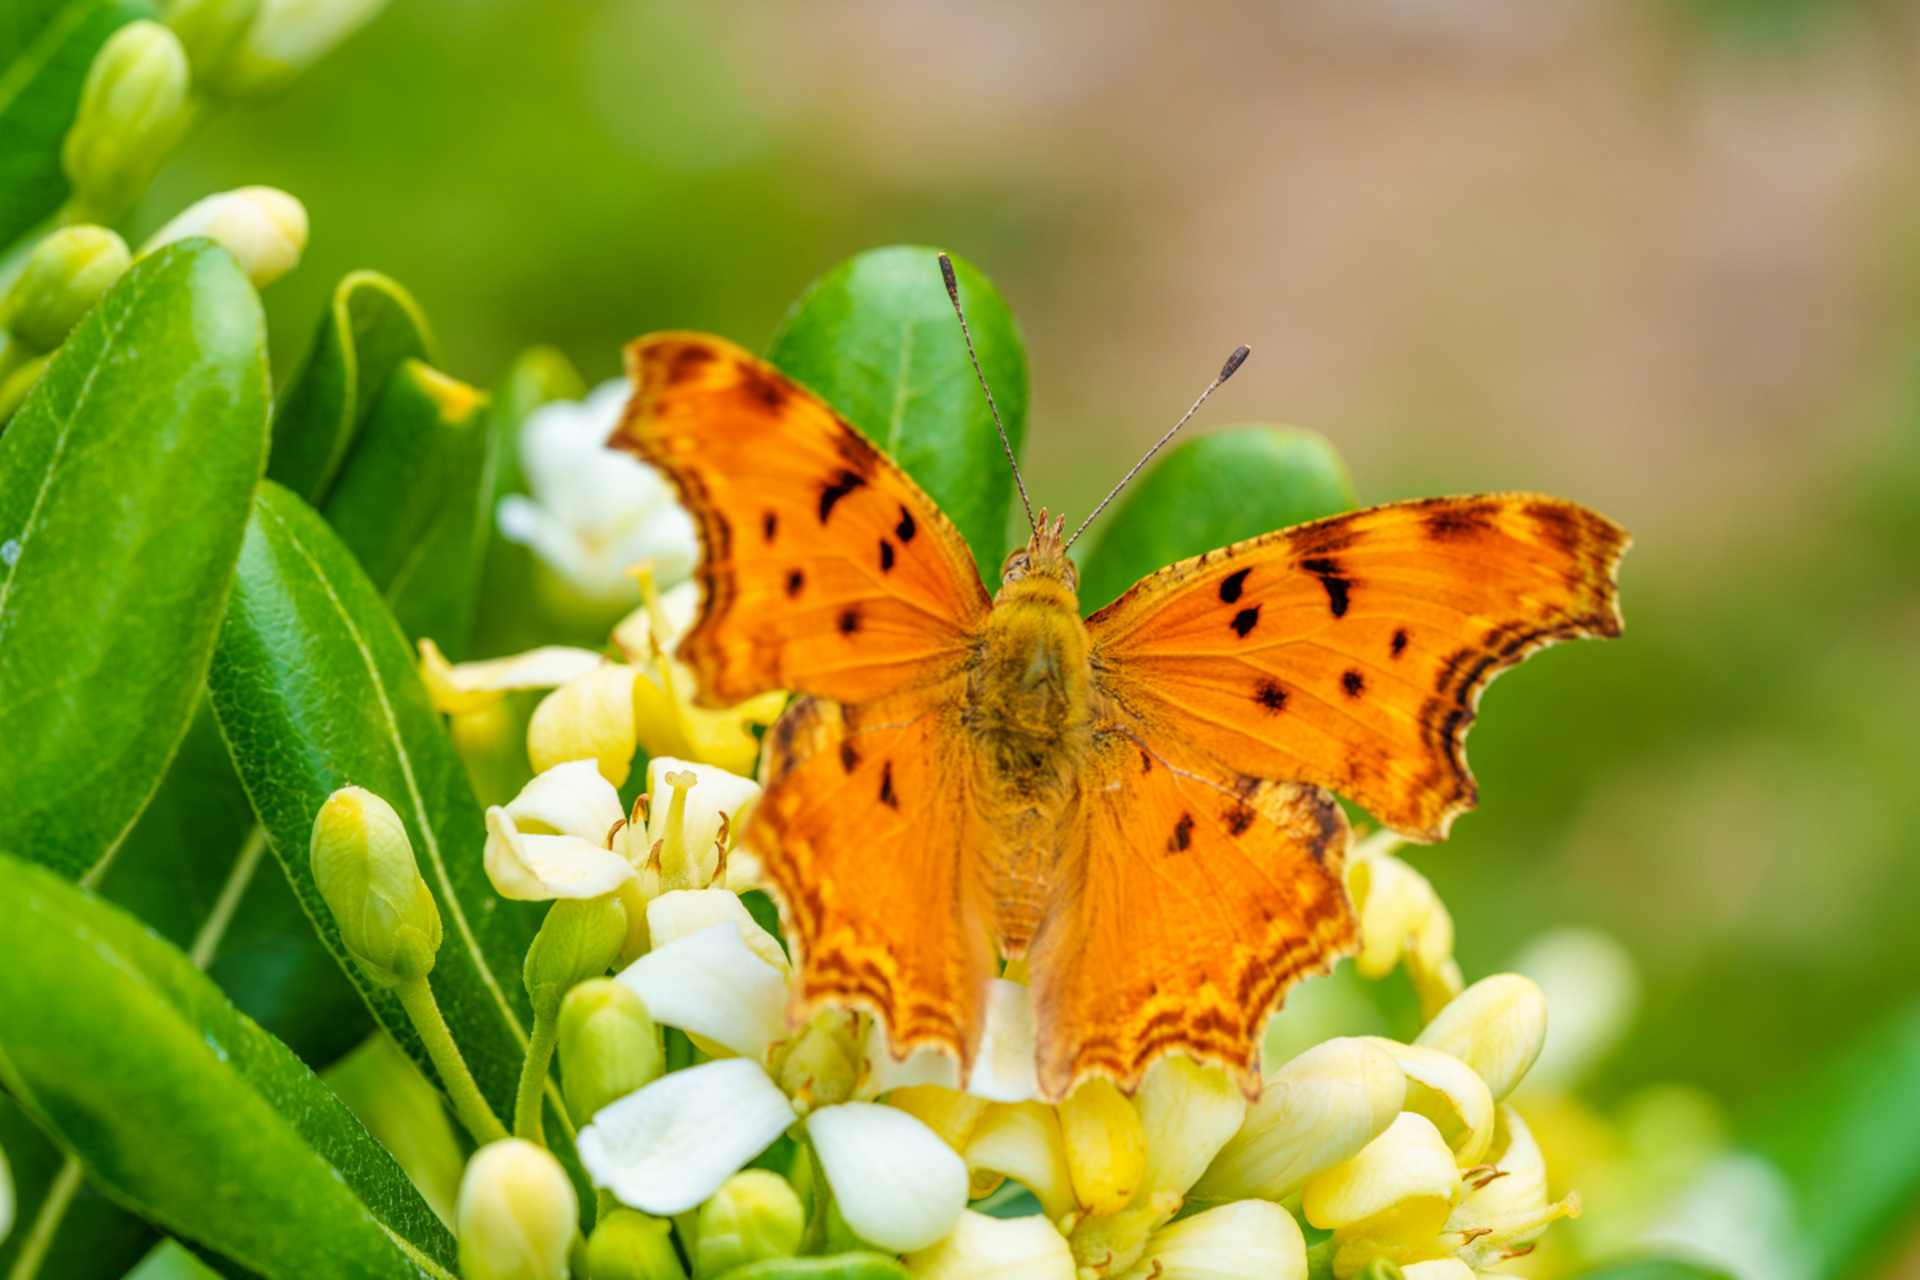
715,792
1004,1069
1448,1092
683,912
1402,1186
886,1073
539,868
1316,1111
474,686
897,1184
590,718
1246,1240
711,984
1496,1026
1023,1141
570,799
983,1248
1188,1113
669,1146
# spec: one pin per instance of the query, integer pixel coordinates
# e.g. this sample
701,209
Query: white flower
517,1214
285,38
265,229
983,1248
695,819
1496,1026
556,838
470,687
1246,1240
669,1146
594,510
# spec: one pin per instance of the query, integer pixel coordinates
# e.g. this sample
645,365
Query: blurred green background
1655,257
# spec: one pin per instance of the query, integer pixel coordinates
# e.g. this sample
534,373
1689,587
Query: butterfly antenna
953,294
1234,361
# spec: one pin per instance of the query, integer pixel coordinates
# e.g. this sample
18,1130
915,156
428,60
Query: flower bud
517,1214
129,120
588,718
265,230
754,1215
630,1245
15,385
609,1046
1398,1190
1106,1146
1248,1240
1496,1026
66,275
284,39
1402,920
1315,1112
209,30
1187,1113
579,939
364,868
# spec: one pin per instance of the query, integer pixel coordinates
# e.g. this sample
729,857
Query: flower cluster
718,1135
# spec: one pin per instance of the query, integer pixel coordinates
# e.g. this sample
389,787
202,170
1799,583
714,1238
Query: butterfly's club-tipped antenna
1234,361
953,294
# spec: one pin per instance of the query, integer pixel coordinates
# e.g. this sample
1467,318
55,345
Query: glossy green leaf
371,325
170,1261
839,1266
1209,492
412,499
125,482
183,858
184,1110
46,47
1848,1140
876,338
315,689
94,1236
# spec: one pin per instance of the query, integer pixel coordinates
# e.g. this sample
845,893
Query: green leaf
184,1110
1848,1140
371,325
125,482
184,857
876,338
46,47
839,1266
169,1261
1209,492
413,497
95,1237
315,689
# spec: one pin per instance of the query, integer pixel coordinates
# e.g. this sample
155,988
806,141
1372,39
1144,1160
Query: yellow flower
1402,921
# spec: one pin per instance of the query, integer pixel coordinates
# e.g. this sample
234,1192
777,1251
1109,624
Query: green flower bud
580,939
15,384
363,864
629,1245
66,275
517,1214
754,1215
609,1046
209,30
285,38
131,112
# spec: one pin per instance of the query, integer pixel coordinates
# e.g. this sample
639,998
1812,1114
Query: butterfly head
1043,559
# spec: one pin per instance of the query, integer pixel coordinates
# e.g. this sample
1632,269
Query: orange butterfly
1137,803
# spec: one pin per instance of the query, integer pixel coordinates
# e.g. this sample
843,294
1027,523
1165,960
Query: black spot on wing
1231,584
839,487
1334,580
849,621
769,523
905,529
1182,836
1270,695
1354,683
1245,620
687,364
1146,761
849,758
795,581
1238,819
886,555
887,797
1449,520
1399,642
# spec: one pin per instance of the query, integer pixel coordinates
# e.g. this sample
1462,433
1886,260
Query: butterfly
1139,803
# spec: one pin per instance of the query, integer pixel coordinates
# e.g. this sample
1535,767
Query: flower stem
533,1079
815,1240
472,1109
46,1223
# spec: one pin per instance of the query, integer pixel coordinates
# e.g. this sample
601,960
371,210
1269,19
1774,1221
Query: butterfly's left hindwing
825,570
